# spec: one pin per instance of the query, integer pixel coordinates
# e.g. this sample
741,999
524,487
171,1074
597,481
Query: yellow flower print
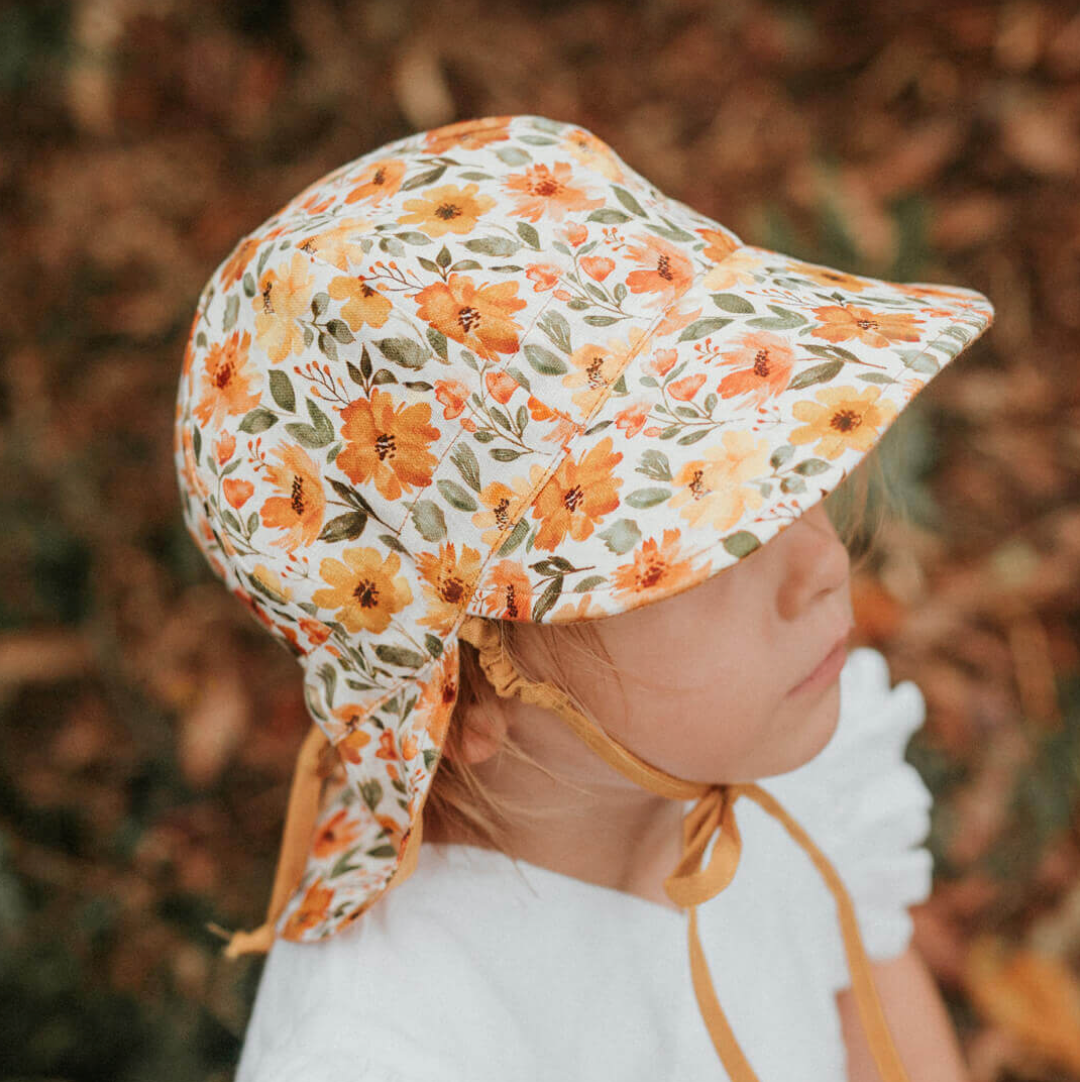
504,505
447,209
842,417
737,268
712,489
271,582
593,153
282,300
340,245
826,276
878,329
448,584
364,304
365,591
596,366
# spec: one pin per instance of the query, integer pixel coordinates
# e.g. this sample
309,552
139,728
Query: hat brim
753,396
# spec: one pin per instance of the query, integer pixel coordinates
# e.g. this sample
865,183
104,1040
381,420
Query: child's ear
483,733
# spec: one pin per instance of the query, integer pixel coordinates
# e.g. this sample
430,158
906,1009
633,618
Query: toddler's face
713,675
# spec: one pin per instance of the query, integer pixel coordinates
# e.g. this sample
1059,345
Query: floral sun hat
490,370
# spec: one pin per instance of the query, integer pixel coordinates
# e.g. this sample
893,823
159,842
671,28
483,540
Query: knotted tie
712,817
710,821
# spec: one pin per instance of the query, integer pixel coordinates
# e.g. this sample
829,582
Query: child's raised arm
918,1021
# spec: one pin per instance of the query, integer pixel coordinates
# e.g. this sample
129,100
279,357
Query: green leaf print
429,520
282,390
702,327
403,351
258,420
741,544
620,537
544,361
456,496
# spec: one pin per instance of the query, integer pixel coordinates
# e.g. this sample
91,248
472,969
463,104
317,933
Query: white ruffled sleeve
865,807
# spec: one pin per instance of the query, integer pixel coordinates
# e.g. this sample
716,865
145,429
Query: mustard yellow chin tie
712,817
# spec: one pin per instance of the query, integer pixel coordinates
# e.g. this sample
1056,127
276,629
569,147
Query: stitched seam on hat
461,434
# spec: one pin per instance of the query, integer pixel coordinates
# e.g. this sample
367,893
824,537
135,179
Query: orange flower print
351,746
662,362
632,419
597,267
508,591
340,245
877,329
447,209
282,301
233,268
467,134
577,496
911,387
684,389
655,571
763,361
448,584
842,418
736,268
316,631
224,447
227,377
719,244
437,697
541,192
452,394
310,912
504,505
387,750
301,507
500,386
563,428
237,492
575,233
364,306
666,271
365,590
826,276
336,834
675,319
479,317
388,443
711,490
544,276
376,181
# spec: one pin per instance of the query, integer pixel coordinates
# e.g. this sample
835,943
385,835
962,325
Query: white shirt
480,969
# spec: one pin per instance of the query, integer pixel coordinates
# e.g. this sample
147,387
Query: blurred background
148,724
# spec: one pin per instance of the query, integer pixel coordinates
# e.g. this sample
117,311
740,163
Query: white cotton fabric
479,968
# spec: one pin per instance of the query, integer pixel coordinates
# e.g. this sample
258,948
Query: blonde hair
461,805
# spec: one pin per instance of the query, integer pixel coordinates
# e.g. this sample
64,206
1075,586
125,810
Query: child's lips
827,670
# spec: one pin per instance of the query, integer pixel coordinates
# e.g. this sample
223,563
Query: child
484,382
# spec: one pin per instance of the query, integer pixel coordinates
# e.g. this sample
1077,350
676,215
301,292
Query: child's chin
815,729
